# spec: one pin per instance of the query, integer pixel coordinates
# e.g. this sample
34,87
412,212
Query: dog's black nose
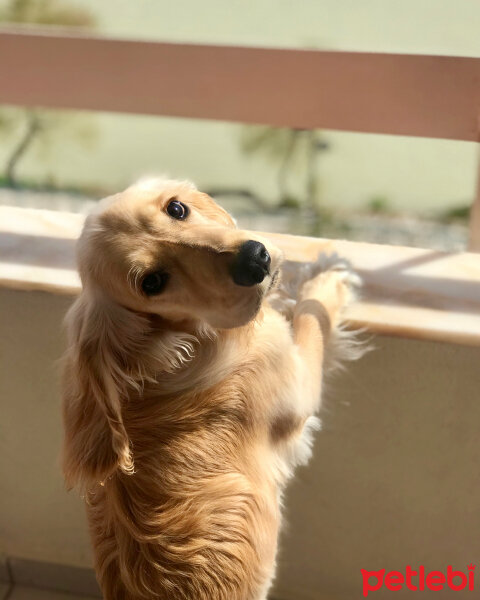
251,264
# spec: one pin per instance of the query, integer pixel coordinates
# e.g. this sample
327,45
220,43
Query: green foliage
46,12
290,202
272,142
379,205
457,213
294,152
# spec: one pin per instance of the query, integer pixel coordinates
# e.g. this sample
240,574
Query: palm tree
293,151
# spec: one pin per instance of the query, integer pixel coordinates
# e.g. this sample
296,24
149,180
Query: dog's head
165,248
159,248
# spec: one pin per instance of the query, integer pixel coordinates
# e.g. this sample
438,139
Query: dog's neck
187,355
161,356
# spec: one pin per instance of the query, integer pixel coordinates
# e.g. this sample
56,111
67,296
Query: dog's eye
153,283
177,210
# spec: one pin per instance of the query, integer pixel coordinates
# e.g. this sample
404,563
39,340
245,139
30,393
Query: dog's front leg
317,312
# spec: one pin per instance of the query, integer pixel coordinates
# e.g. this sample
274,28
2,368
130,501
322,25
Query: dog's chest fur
210,459
253,403
267,372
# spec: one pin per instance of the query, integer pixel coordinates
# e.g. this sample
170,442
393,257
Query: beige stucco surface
394,479
38,519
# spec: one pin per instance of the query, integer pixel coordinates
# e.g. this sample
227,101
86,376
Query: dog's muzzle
251,264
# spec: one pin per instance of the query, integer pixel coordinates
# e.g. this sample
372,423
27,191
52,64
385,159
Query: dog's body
188,400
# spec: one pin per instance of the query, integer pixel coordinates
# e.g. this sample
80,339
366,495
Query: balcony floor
20,592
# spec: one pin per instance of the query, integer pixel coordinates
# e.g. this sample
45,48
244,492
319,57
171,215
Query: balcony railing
413,95
412,292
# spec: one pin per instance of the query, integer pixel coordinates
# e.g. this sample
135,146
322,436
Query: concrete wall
394,480
38,518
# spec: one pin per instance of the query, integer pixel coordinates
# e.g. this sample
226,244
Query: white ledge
408,292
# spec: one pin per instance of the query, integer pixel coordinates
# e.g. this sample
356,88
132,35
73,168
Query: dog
191,382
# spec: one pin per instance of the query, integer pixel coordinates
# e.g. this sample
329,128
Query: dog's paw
315,280
333,262
282,303
295,275
332,282
335,284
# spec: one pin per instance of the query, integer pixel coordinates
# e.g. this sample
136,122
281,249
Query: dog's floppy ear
101,334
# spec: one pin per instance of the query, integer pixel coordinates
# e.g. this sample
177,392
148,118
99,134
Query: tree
30,127
294,151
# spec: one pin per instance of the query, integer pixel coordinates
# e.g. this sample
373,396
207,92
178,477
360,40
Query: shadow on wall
394,477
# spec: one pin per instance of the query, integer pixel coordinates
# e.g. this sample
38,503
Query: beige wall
394,480
38,519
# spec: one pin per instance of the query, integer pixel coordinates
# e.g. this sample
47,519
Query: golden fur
185,413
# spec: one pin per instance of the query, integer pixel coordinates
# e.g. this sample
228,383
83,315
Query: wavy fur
186,412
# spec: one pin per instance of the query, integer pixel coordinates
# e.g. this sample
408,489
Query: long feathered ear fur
102,336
